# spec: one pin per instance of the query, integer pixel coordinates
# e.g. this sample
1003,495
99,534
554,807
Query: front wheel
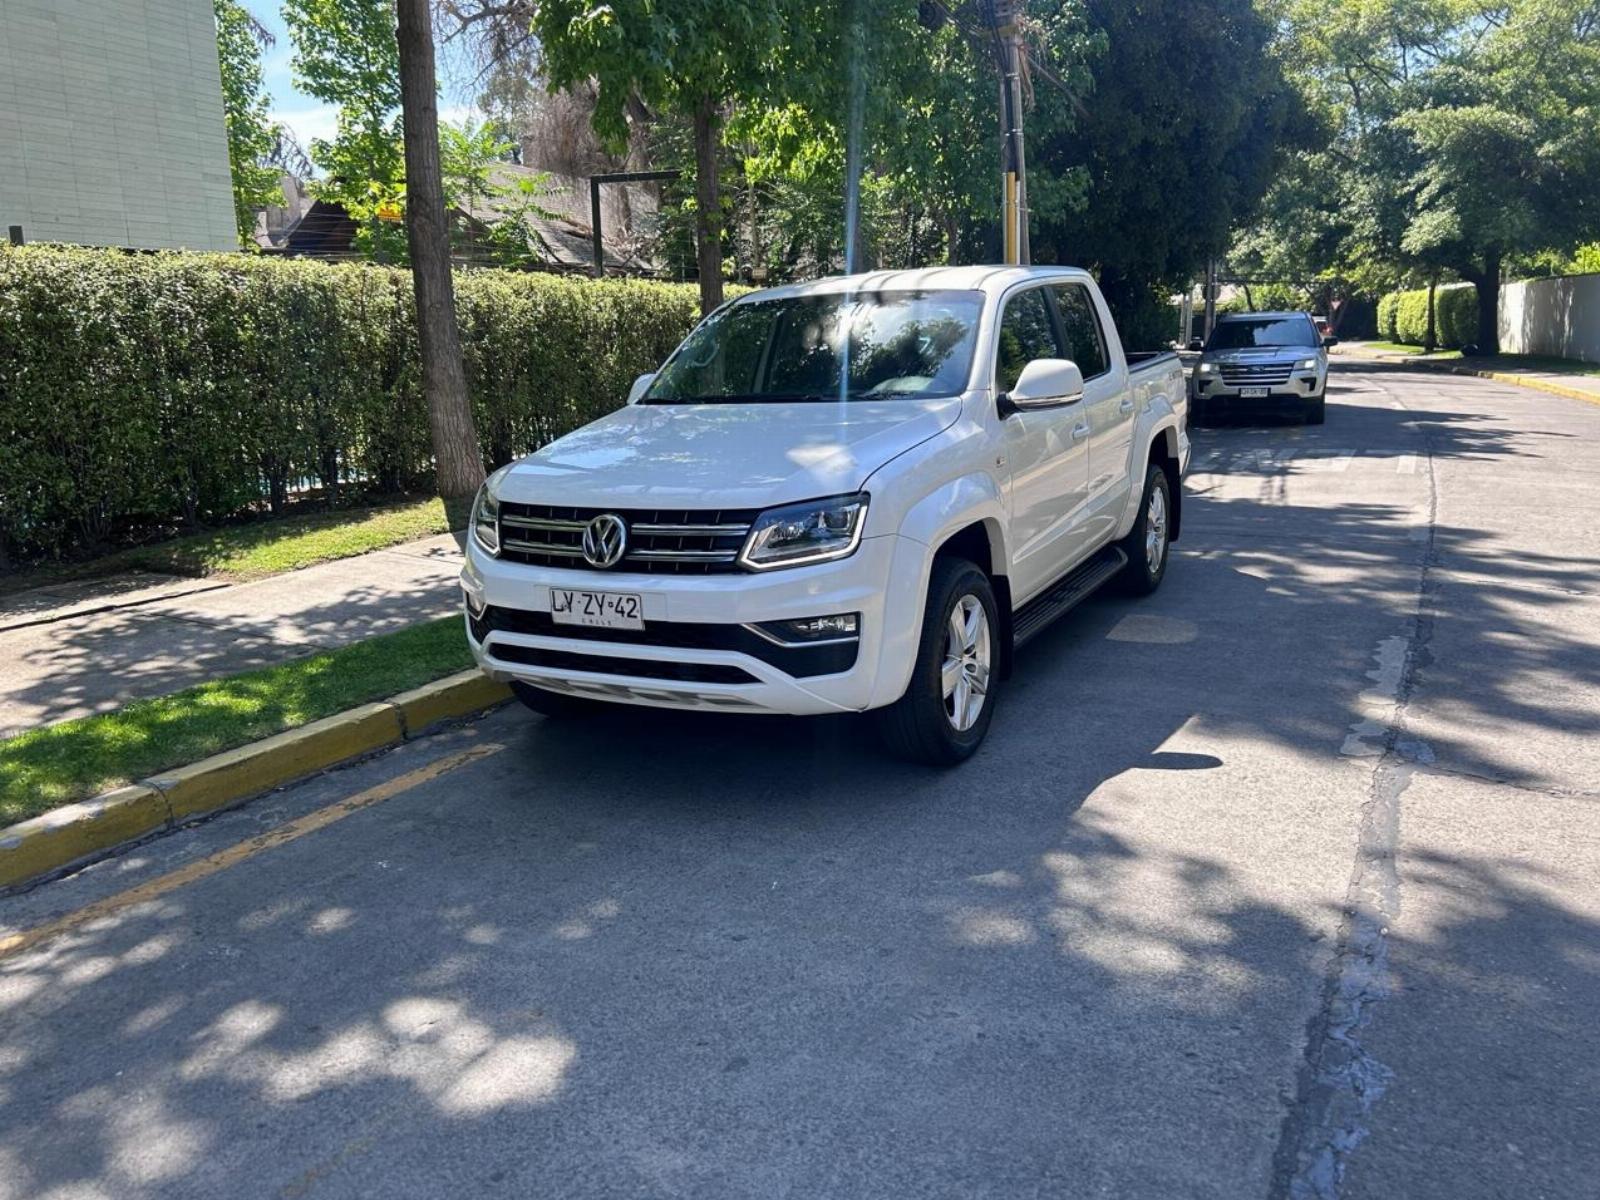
1317,410
1147,542
947,707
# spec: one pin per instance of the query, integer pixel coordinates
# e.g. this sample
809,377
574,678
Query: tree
253,139
690,58
1170,150
346,55
1509,141
458,459
1459,136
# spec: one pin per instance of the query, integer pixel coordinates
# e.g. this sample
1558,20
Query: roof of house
629,218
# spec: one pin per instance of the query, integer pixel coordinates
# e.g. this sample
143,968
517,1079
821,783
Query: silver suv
1274,362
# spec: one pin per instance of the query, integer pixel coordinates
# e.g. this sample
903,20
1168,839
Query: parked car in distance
862,493
1264,362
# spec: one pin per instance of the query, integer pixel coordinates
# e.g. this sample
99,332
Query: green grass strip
73,760
261,548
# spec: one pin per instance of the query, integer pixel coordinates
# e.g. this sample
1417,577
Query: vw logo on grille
605,540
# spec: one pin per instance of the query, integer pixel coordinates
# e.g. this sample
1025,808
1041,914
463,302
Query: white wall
1552,316
111,126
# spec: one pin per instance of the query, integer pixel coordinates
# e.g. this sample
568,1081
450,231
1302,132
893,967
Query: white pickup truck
858,493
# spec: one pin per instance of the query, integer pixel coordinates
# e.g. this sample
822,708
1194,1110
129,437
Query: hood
724,455
1255,354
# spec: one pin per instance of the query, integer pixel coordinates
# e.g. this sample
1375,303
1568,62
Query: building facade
111,125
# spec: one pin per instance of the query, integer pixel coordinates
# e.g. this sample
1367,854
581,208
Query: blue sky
309,117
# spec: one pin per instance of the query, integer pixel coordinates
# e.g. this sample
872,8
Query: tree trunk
1487,285
458,460
1430,340
708,206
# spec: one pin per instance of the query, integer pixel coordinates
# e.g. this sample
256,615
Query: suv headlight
486,521
1206,369
1306,364
813,532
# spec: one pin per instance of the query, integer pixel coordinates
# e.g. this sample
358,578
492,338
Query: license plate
1252,393
607,610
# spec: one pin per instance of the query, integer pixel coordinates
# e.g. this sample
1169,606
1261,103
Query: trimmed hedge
1403,316
143,391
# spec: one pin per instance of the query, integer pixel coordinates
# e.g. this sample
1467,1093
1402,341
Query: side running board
1075,586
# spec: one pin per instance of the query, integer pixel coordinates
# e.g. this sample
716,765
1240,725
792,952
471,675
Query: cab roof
990,279
1256,316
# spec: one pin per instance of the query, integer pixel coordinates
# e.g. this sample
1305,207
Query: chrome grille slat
535,523
683,555
652,530
542,548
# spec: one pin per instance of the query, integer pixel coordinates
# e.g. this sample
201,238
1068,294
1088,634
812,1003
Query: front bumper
1214,393
698,649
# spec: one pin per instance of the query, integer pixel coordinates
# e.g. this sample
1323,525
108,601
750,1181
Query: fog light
475,602
812,629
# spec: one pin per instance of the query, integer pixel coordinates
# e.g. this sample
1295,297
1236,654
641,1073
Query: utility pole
1212,288
1003,16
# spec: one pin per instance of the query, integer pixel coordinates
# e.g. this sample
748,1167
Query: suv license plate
1252,393
607,610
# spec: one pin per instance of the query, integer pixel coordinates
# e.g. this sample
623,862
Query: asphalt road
1281,883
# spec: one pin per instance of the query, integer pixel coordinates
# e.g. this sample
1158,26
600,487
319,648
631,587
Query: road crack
1340,1079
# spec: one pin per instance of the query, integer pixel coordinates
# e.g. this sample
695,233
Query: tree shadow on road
661,954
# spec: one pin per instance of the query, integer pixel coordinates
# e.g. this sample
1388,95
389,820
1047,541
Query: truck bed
1138,360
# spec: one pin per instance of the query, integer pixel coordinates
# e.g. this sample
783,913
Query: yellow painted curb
448,699
1543,385
64,835
218,781
73,833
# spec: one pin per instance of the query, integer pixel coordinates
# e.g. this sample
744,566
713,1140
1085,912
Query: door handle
1079,432
1126,405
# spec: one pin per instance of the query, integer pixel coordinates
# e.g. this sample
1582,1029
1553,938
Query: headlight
816,531
1306,364
486,521
1206,369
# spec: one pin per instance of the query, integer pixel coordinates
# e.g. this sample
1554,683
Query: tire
941,720
1317,410
1148,542
555,706
1199,413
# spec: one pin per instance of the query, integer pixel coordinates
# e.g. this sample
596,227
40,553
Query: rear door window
1081,325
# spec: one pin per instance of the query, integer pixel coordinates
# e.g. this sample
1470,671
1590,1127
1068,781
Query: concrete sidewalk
1578,387
82,648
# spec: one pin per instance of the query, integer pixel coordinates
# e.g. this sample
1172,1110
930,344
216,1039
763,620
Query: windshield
842,345
1262,331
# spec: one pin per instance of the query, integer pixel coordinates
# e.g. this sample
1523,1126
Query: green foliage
252,137
1173,146
73,760
1388,317
345,54
1587,260
1403,316
142,392
1456,135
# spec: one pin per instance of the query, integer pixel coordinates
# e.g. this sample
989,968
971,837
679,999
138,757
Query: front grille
800,661
1257,374
661,541
639,668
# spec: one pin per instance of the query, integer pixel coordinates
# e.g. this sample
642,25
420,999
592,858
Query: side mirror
1330,341
1196,344
640,386
1044,383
